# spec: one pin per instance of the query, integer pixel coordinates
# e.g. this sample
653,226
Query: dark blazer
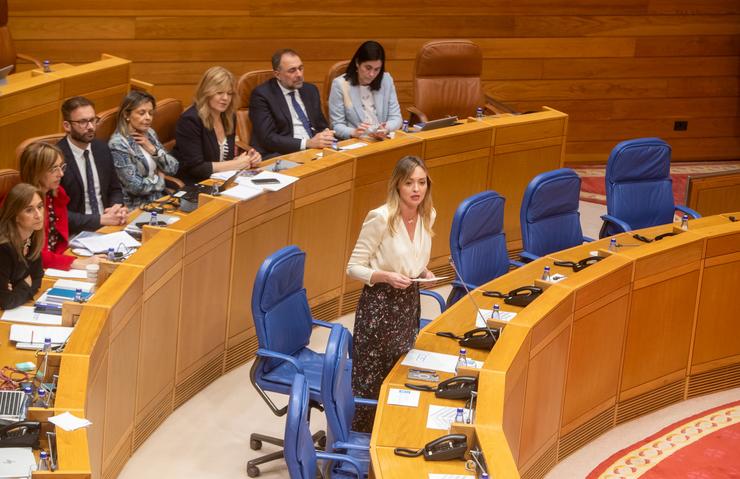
272,126
110,187
13,272
196,147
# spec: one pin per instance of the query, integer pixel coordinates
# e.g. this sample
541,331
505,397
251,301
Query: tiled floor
208,437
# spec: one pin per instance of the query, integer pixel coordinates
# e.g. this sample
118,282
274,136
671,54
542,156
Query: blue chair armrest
688,211
323,324
331,456
436,296
515,263
587,239
346,445
617,222
527,256
366,402
271,354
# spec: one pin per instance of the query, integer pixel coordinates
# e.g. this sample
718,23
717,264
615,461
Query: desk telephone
478,338
644,239
20,434
458,387
445,448
521,296
579,265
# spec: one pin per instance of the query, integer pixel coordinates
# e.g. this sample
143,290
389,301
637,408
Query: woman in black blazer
21,240
205,132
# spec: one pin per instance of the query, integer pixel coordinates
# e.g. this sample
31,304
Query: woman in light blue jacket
363,101
140,159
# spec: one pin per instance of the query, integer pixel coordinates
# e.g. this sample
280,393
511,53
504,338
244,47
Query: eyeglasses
57,168
85,122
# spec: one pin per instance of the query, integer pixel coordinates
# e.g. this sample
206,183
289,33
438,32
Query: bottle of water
28,402
334,145
613,245
462,359
405,126
43,461
484,476
78,295
685,222
546,274
459,415
479,112
153,220
47,66
41,398
41,373
111,255
496,313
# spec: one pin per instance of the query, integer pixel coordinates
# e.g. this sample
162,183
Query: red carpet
594,191
704,446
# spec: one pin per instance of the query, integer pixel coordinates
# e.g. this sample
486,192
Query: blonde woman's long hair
402,172
19,197
36,159
214,80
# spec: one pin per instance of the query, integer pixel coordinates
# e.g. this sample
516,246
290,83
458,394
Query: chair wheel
256,445
253,471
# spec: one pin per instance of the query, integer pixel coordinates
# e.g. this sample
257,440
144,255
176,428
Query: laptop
439,123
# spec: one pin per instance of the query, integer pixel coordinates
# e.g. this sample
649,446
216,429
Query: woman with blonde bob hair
205,132
42,165
21,240
392,250
140,159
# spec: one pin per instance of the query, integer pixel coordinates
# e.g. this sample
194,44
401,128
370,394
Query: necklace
410,220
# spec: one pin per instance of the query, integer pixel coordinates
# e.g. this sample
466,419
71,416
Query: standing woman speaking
393,248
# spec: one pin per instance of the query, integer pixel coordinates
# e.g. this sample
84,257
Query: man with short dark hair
286,112
91,182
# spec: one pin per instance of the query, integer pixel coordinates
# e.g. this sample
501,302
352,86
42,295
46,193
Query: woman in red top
42,165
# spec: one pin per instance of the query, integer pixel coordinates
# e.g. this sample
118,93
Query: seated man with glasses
95,194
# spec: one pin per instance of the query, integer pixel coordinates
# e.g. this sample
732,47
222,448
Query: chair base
255,443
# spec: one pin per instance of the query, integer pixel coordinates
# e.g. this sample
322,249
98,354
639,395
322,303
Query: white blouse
378,250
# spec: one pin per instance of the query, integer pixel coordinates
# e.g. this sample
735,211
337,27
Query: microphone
479,338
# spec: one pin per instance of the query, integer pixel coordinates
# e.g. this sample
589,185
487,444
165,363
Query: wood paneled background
619,68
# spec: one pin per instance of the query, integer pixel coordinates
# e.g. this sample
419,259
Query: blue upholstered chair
300,454
549,215
283,323
638,187
478,242
339,406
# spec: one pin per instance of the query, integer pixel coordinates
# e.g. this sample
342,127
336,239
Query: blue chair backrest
336,387
549,214
638,182
477,240
280,309
300,455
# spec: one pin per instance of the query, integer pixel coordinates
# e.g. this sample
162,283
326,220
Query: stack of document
32,337
63,290
120,241
274,181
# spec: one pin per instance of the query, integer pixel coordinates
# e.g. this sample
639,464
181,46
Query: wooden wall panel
622,60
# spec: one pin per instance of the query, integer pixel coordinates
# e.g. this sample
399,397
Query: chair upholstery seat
361,439
281,378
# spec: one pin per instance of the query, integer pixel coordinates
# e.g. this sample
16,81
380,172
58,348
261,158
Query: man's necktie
90,184
301,114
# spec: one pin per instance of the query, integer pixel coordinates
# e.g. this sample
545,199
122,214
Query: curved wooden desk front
648,326
176,315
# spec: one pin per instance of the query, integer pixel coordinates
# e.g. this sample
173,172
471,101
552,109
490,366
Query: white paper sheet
242,192
428,280
17,462
72,273
403,397
450,476
23,333
69,422
418,358
506,316
441,417
284,180
73,285
26,314
119,241
353,146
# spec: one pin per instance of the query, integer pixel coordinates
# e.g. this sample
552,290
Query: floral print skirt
386,323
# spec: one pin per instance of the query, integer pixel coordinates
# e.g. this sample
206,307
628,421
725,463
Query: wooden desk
647,326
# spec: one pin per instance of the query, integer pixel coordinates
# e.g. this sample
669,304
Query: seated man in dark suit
286,112
90,180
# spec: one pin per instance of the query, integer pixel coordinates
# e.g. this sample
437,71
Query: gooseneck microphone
465,285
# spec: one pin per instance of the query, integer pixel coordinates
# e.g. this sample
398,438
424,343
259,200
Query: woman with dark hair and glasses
42,165
21,240
139,157
363,101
